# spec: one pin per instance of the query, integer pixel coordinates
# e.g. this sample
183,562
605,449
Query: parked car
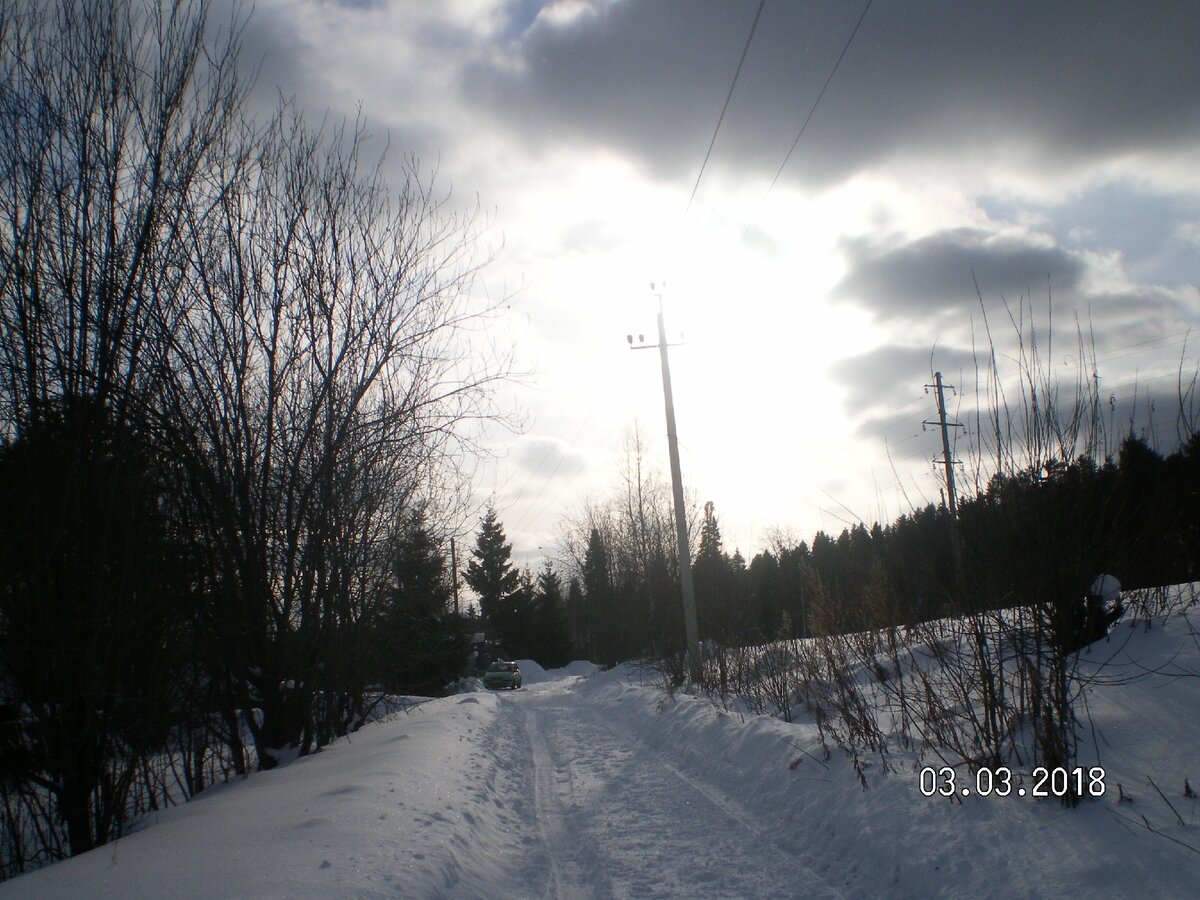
502,674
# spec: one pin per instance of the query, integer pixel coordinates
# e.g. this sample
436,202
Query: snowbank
873,833
402,808
580,668
533,673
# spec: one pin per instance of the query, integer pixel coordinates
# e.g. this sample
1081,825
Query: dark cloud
890,375
1151,410
888,390
274,48
1135,344
291,62
905,433
938,273
544,457
1061,82
1119,321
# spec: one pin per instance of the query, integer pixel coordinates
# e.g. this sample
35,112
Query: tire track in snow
817,886
610,803
569,878
731,809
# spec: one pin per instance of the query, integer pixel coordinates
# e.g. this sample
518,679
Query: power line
1115,353
549,450
721,118
824,88
813,110
533,503
553,502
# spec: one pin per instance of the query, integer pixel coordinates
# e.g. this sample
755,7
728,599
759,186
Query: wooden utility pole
951,498
454,574
956,550
686,586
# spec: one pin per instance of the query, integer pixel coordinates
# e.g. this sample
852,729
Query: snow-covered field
587,784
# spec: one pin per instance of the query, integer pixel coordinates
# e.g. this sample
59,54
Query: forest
1032,536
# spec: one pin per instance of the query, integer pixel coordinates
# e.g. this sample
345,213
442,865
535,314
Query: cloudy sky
970,165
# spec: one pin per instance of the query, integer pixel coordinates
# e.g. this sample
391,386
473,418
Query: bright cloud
1044,152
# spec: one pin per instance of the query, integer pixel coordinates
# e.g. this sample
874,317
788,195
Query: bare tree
322,377
110,117
230,358
636,609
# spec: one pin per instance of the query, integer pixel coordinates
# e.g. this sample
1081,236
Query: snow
1106,587
596,784
533,673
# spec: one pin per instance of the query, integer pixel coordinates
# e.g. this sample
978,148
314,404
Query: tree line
1034,535
237,379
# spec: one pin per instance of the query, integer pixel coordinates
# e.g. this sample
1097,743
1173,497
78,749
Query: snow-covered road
617,817
561,790
603,786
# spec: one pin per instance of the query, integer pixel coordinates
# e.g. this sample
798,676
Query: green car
501,674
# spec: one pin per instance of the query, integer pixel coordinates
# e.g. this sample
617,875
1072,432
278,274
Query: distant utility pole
687,588
952,500
454,574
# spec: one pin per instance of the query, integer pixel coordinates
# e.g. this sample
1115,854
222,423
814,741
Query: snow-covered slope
599,786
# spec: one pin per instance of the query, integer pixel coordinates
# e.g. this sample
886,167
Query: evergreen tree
94,605
576,615
597,593
765,596
710,535
491,575
665,634
515,620
711,571
420,581
419,645
551,642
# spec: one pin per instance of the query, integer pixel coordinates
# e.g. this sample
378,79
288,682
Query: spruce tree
420,645
552,642
711,571
597,606
421,585
491,575
516,624
576,616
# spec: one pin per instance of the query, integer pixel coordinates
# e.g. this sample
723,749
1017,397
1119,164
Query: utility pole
956,550
687,588
454,574
952,500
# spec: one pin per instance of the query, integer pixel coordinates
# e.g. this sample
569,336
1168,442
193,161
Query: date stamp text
1003,782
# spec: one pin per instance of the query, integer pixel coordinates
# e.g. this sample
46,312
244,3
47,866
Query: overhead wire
708,155
532,505
725,106
804,126
695,187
